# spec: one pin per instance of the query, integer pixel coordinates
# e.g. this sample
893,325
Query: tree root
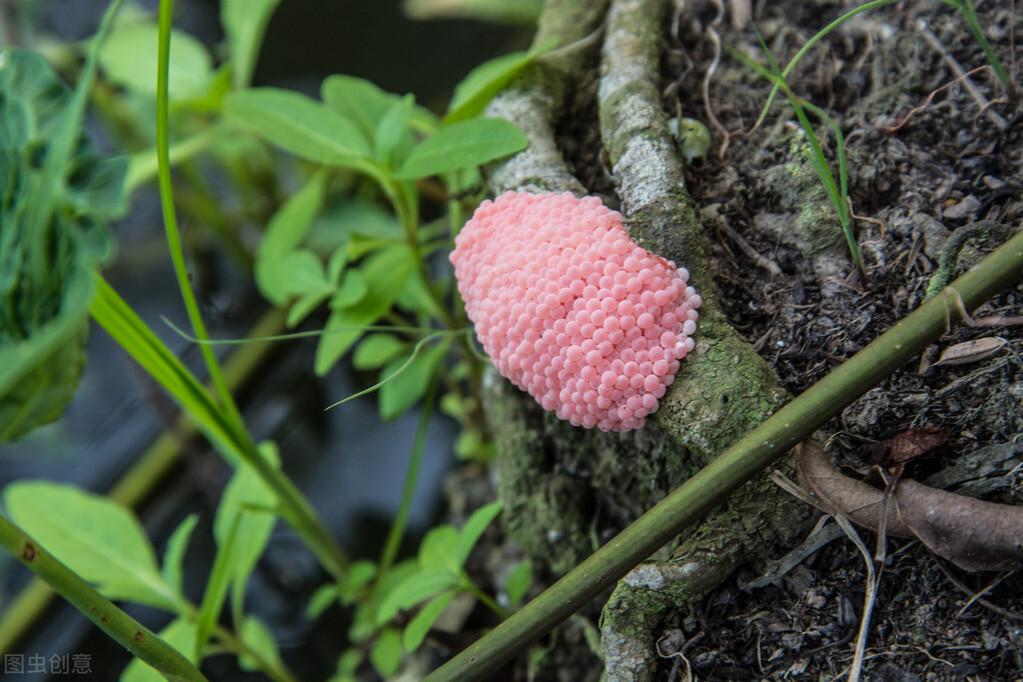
560,485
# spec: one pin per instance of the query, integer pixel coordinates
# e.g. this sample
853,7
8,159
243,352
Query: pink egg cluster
571,309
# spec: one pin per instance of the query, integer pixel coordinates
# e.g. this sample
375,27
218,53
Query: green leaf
525,12
358,100
180,634
461,145
304,272
306,304
242,507
245,23
385,273
385,655
128,57
257,637
347,664
174,553
416,588
405,387
299,125
437,550
473,529
323,598
56,198
488,79
375,350
393,132
286,230
99,540
352,290
417,628
518,582
358,576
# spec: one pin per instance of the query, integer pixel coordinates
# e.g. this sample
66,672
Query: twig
900,123
957,68
715,39
1005,613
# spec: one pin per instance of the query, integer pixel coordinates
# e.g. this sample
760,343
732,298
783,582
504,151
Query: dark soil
953,166
949,167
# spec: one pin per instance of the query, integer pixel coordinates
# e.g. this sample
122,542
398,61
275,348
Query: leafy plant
349,244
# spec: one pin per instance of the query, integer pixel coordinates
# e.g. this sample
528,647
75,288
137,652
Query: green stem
275,671
486,599
121,627
738,464
138,340
152,466
397,531
170,219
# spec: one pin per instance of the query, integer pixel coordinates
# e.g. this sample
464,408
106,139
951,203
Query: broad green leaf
461,145
524,12
518,582
99,540
180,634
417,628
405,387
473,529
364,622
392,134
245,23
128,57
352,584
358,100
416,588
244,503
376,349
257,636
299,125
301,272
385,655
174,554
437,550
323,598
385,273
486,80
347,664
286,230
352,290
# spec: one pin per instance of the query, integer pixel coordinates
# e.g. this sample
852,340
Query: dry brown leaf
973,534
971,351
906,446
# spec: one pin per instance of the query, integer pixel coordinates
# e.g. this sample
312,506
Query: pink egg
571,309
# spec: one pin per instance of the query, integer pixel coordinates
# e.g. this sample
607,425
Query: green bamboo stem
144,475
121,627
738,464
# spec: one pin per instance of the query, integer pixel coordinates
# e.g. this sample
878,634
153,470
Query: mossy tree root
724,388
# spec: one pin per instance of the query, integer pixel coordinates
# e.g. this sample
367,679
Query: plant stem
124,629
170,219
738,464
143,476
139,341
397,531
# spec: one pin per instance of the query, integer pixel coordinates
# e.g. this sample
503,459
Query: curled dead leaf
971,351
907,446
973,534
